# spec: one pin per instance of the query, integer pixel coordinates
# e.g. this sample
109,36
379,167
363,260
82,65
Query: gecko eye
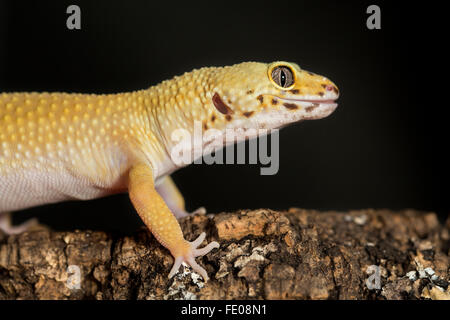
283,76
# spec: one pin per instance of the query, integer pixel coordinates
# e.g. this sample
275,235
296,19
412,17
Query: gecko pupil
282,78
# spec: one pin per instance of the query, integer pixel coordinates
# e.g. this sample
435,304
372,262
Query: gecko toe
206,249
198,241
197,268
176,265
201,211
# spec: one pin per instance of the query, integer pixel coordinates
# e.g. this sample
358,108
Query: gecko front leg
172,196
162,223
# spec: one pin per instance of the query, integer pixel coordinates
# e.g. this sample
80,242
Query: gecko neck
182,123
173,115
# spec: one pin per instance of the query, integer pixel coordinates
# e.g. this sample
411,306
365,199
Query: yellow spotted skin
58,146
51,131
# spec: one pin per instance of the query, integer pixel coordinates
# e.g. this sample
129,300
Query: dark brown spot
295,91
274,101
208,143
228,117
323,85
220,105
248,114
260,98
213,118
335,90
321,93
310,73
290,106
249,91
311,108
205,126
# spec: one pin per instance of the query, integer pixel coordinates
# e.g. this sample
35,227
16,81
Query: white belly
28,188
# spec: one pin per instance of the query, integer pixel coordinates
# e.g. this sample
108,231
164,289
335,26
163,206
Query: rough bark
264,254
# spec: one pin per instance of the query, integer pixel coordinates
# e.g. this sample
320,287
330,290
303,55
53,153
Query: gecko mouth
319,101
309,108
294,102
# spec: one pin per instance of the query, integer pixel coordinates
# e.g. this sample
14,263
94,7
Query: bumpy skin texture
58,146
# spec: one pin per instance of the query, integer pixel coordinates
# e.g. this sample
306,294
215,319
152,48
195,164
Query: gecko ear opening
220,105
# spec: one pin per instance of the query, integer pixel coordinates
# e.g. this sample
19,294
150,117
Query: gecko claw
193,252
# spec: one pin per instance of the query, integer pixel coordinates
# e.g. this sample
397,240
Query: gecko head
260,95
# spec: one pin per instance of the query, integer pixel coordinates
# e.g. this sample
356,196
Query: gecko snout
332,87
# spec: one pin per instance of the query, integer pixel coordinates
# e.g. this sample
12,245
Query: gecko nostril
329,87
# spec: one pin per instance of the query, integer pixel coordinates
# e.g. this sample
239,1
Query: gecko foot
7,227
201,210
191,254
179,213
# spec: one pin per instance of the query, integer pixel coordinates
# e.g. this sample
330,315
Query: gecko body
59,146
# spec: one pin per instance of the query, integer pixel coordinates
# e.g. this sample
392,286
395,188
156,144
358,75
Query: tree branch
264,254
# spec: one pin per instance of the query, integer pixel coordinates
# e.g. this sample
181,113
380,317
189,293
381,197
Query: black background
384,147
